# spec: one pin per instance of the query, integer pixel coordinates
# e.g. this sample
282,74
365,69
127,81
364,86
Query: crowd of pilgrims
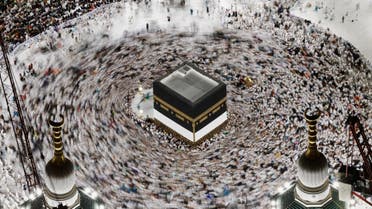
326,71
28,18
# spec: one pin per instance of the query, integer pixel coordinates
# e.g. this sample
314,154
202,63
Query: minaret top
311,120
59,165
57,137
312,167
60,176
312,160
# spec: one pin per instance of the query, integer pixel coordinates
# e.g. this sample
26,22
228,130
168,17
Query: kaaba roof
86,202
288,201
189,82
189,89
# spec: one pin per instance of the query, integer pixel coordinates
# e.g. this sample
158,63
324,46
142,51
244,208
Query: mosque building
60,190
189,103
312,188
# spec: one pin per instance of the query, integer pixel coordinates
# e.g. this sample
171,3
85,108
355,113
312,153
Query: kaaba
189,103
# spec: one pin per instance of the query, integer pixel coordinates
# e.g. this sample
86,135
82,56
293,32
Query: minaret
312,188
60,187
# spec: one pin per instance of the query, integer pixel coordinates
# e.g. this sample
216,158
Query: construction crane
16,116
359,136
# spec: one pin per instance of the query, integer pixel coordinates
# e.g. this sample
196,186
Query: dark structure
189,103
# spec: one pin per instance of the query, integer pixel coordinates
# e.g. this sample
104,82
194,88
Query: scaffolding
21,130
359,136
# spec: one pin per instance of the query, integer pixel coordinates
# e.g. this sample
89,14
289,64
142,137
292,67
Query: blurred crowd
27,18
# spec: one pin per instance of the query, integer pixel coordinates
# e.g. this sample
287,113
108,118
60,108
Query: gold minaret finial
311,120
57,136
